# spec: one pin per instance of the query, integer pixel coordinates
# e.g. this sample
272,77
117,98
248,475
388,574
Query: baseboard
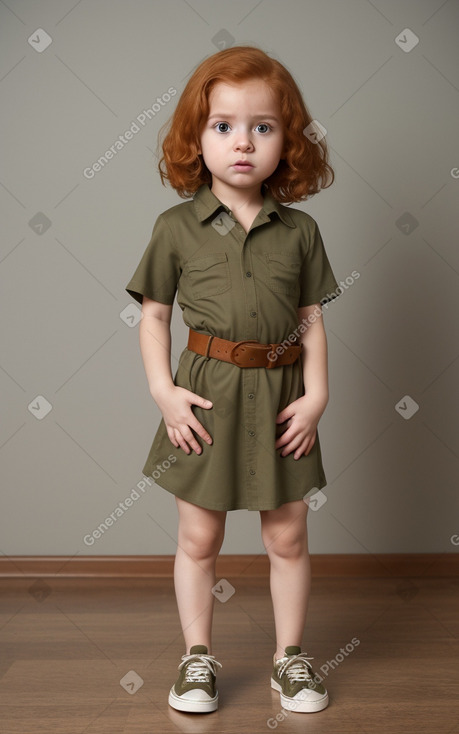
322,565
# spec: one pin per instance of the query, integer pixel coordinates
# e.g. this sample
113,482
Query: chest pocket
208,275
284,272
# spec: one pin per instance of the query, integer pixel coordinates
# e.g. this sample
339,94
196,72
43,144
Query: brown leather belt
249,353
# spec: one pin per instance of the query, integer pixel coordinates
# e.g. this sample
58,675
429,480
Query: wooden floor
66,644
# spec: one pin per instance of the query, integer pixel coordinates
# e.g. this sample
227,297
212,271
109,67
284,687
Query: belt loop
271,362
208,347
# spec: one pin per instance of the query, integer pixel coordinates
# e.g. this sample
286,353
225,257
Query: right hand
175,405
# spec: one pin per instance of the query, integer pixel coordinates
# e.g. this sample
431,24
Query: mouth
242,165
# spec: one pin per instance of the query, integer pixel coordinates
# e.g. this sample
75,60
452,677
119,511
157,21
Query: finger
302,450
284,439
306,446
199,429
188,436
285,414
292,445
172,439
181,441
199,400
310,445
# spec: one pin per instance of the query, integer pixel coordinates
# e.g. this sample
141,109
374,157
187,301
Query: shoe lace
198,667
296,667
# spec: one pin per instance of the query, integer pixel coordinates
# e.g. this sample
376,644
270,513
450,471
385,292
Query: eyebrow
254,117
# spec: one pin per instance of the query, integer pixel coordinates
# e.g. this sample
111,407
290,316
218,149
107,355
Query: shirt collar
206,204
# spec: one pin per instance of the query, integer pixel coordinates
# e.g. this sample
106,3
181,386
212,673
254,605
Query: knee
201,543
287,544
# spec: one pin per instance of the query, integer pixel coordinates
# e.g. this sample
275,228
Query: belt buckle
238,344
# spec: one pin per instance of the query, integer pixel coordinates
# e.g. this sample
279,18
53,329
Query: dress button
251,395
252,471
248,274
251,433
253,314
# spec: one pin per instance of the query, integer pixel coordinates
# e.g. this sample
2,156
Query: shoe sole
182,704
301,707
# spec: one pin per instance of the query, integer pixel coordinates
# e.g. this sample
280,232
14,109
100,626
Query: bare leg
200,537
284,533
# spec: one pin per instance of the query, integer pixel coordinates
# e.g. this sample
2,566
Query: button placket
249,376
249,290
249,386
248,282
248,285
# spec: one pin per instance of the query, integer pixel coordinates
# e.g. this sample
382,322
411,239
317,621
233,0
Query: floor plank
67,643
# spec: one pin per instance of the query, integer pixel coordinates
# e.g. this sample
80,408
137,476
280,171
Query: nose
243,141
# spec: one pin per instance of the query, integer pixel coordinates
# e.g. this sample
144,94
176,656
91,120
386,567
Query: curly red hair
303,172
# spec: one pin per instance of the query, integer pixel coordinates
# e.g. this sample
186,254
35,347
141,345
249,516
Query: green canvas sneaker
195,688
299,688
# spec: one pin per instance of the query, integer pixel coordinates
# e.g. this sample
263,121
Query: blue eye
263,124
218,126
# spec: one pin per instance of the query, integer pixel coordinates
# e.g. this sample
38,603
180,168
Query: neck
238,200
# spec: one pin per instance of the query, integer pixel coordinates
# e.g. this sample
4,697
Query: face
244,124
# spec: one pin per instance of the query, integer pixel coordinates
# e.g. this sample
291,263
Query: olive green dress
236,285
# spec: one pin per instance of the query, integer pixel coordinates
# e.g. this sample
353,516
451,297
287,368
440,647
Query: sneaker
195,688
299,688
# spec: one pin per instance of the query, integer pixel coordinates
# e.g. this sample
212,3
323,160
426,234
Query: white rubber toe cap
196,694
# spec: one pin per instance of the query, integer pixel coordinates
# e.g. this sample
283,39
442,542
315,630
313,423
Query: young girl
239,419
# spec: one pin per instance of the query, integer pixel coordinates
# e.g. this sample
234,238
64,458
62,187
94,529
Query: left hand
301,418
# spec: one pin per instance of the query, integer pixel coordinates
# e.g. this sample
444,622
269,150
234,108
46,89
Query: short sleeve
158,271
317,281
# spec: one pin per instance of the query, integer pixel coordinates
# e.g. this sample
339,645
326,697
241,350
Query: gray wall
391,115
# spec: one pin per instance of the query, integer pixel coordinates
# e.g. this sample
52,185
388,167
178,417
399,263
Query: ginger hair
304,170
